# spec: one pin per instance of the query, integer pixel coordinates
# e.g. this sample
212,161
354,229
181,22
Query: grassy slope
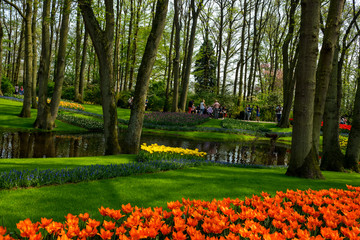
51,163
153,190
9,119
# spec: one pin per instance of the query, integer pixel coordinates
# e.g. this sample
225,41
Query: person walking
190,106
249,110
202,107
278,111
257,113
216,106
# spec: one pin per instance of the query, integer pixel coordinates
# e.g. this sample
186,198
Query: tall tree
47,114
133,133
35,55
352,155
26,109
323,73
195,10
77,55
103,43
1,42
302,162
289,63
176,65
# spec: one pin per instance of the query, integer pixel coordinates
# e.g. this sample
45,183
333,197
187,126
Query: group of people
248,111
17,91
215,110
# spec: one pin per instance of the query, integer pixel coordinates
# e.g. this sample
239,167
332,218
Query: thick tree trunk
35,55
323,72
26,109
142,83
176,65
103,43
304,162
333,158
185,84
43,114
352,156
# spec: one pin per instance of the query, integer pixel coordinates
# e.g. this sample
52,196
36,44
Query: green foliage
6,87
156,96
122,99
51,87
68,92
205,68
93,94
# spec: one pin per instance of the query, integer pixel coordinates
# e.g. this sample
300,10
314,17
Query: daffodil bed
323,214
155,152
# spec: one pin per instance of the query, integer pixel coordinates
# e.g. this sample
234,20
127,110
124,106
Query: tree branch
16,7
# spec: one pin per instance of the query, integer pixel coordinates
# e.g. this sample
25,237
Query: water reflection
38,145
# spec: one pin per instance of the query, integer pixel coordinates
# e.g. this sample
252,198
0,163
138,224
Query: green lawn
150,190
52,163
122,112
9,111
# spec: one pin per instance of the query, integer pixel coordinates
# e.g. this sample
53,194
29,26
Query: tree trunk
43,114
168,80
288,71
77,55
26,109
82,68
333,158
219,46
185,84
353,148
60,63
323,72
19,55
103,43
142,83
304,162
176,65
35,55
127,64
1,41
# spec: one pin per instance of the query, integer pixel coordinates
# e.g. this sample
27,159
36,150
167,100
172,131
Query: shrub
6,87
93,94
68,92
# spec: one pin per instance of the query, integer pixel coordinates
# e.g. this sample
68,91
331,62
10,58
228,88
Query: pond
41,145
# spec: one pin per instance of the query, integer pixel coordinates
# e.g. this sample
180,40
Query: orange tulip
179,236
2,230
84,217
105,234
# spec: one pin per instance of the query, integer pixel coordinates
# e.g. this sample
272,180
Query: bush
68,93
93,94
6,87
122,99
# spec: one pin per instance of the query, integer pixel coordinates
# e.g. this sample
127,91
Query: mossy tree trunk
133,133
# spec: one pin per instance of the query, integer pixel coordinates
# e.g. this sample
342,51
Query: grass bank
150,190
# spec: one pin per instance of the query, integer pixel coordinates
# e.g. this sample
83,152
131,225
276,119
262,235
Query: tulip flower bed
343,141
175,119
155,152
87,123
323,214
236,124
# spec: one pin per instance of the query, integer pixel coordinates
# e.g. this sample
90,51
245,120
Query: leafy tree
205,68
